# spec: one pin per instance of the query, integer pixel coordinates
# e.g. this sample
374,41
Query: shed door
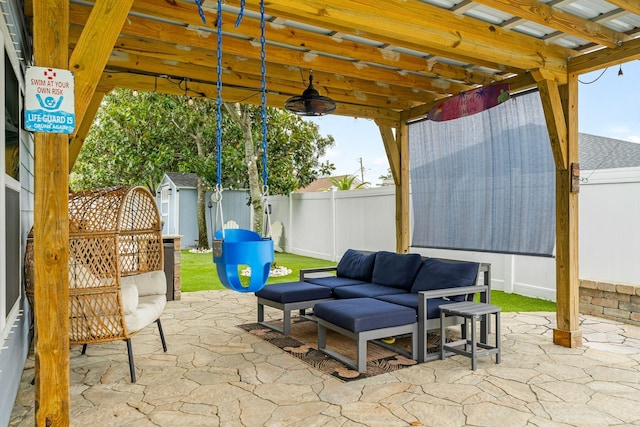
164,209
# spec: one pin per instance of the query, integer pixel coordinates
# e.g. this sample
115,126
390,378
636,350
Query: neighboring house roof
323,184
183,180
599,152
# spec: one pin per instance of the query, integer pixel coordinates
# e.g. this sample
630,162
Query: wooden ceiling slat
472,40
543,14
233,46
311,41
150,65
199,64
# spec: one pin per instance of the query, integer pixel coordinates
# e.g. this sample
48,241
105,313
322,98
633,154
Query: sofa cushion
293,292
396,270
411,300
366,290
356,265
333,281
364,314
439,274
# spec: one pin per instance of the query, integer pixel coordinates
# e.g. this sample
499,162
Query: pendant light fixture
310,103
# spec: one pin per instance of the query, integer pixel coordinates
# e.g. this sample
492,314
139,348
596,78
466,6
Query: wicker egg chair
117,283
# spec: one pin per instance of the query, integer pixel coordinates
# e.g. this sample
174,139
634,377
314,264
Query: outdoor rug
302,343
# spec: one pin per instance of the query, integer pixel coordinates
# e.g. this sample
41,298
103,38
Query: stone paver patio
215,374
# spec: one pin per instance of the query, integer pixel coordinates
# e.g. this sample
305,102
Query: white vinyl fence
325,224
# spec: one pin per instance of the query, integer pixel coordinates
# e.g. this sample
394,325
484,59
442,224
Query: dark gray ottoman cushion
364,314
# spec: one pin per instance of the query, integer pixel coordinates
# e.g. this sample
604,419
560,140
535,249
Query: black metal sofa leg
164,343
132,369
84,349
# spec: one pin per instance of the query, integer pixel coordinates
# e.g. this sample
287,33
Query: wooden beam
83,129
132,52
631,6
568,333
603,58
168,33
94,47
555,118
230,94
549,16
313,41
237,77
397,148
333,88
392,149
51,233
472,41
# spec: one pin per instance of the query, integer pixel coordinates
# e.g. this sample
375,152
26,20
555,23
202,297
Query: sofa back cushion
439,274
396,270
356,265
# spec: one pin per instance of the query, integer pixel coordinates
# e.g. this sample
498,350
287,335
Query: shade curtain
485,182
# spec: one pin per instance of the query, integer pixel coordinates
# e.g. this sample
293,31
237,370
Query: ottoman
363,319
289,296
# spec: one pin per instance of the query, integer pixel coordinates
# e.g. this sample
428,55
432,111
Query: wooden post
402,191
398,154
561,114
567,332
51,232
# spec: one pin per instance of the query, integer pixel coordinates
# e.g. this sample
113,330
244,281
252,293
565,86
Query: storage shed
177,200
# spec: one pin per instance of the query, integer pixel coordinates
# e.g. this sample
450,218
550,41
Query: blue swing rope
237,246
218,190
263,90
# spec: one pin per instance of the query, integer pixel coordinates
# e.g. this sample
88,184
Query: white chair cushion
149,309
129,297
151,283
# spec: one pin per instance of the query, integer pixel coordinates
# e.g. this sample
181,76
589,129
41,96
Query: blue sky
608,106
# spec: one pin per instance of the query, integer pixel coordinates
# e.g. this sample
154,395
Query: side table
471,312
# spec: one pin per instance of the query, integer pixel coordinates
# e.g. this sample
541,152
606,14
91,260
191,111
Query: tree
387,179
347,183
136,139
241,114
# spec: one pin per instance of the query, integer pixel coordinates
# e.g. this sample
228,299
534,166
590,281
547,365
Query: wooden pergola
387,60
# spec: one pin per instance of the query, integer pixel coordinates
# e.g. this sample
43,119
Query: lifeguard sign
49,100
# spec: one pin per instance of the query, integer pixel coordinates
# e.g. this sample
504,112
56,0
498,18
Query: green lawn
199,274
199,271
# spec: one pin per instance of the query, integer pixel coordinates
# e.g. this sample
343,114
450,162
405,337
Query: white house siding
610,226
16,214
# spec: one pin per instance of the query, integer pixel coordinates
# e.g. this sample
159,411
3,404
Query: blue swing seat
243,247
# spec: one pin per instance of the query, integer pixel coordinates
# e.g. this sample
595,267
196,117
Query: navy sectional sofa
409,280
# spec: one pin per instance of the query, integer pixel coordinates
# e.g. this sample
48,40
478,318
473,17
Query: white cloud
382,161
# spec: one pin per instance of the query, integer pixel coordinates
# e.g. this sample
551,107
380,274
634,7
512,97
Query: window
12,121
12,245
10,213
